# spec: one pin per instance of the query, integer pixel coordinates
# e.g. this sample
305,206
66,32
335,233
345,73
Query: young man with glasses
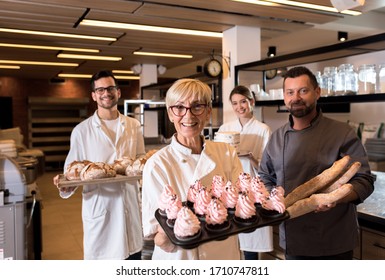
110,211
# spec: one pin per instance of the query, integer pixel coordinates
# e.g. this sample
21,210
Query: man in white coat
110,211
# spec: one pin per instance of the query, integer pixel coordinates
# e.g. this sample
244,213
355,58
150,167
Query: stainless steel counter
371,213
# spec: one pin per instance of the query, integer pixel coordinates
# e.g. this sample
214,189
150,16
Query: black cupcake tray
262,219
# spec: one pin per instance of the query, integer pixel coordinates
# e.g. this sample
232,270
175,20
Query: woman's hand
162,241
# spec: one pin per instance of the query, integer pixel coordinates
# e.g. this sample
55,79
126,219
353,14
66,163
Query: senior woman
188,158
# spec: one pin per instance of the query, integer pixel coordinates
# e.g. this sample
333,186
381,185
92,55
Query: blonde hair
184,88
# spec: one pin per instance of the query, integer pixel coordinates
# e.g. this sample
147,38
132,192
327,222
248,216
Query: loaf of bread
97,170
74,168
327,177
310,204
120,165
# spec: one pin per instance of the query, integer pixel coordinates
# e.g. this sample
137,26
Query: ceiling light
137,69
9,67
342,36
342,5
42,63
163,54
55,34
89,76
272,51
81,76
140,27
92,57
162,69
300,5
123,71
47,48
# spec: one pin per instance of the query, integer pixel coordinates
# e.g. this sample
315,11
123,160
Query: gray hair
184,88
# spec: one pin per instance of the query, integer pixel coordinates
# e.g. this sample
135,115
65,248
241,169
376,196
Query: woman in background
254,136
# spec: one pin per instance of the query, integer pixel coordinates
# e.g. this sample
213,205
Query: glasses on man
196,109
110,89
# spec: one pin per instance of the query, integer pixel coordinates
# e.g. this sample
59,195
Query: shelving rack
50,123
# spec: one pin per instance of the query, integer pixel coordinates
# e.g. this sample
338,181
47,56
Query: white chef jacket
110,211
254,136
174,165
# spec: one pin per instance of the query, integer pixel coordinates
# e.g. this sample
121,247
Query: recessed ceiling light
56,34
38,47
123,71
300,5
9,67
92,57
42,63
140,27
89,76
163,54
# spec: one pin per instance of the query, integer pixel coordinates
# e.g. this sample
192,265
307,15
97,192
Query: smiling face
189,126
188,104
242,106
300,96
108,99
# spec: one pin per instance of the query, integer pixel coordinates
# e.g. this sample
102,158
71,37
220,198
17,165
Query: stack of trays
375,148
230,137
8,148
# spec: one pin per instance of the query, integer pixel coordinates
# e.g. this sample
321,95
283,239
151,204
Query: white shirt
110,212
174,166
254,137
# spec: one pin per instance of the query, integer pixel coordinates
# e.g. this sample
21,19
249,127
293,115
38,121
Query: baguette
318,182
311,203
353,169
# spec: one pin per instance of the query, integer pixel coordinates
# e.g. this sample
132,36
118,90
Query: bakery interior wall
21,89
367,113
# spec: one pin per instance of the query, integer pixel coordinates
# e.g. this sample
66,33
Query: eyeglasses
110,89
196,109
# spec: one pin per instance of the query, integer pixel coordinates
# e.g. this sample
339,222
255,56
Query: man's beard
300,113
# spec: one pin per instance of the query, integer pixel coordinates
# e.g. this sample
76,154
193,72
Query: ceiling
287,28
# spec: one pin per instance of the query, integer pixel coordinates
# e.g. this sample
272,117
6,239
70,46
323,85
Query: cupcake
202,200
216,216
166,195
245,212
187,226
274,206
243,182
217,186
229,196
172,210
258,191
192,193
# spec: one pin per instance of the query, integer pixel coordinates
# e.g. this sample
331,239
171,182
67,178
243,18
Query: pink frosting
258,190
243,182
275,200
186,223
216,212
245,208
165,197
217,185
193,191
202,200
173,208
229,195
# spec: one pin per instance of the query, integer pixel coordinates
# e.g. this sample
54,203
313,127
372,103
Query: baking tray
64,183
207,236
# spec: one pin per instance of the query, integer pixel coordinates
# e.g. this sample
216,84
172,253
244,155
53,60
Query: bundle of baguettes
326,188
